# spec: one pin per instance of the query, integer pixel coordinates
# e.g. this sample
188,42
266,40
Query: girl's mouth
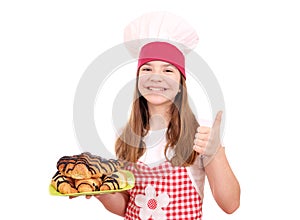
156,88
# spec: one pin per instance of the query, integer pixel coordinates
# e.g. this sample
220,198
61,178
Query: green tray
130,185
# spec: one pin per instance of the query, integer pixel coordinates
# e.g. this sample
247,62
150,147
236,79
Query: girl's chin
157,99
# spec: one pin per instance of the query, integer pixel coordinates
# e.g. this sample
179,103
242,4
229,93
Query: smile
156,89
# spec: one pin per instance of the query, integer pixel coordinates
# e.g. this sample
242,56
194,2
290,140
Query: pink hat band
162,51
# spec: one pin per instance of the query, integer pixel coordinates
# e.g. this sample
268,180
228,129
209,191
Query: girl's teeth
156,89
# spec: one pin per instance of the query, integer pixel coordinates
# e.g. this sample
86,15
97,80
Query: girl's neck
159,117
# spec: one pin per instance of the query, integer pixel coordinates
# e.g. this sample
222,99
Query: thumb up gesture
207,140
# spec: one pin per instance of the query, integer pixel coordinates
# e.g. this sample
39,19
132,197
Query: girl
166,149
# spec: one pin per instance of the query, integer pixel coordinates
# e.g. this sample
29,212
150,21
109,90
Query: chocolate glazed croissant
86,166
88,185
116,180
104,166
63,184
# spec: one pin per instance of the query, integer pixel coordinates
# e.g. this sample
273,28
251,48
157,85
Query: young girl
166,149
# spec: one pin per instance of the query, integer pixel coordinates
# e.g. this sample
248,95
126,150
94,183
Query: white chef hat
160,36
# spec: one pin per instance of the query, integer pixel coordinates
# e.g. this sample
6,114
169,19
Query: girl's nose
156,77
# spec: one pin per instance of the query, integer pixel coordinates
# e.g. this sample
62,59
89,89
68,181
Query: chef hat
160,36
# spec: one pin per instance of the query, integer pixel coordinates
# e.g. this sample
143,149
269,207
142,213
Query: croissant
116,180
63,184
88,185
86,166
66,163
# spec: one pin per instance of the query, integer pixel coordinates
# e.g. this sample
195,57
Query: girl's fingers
198,149
218,120
87,197
207,138
201,136
200,143
203,129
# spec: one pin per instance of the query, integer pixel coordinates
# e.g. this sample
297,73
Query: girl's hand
207,140
87,197
99,196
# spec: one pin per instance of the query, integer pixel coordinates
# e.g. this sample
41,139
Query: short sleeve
197,175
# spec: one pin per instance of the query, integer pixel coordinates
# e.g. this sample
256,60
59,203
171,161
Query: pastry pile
87,173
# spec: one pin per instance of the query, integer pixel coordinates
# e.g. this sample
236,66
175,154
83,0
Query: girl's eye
146,69
169,70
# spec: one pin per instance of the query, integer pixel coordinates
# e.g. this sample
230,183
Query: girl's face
158,82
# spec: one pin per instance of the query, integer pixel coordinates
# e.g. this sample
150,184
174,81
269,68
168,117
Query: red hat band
162,51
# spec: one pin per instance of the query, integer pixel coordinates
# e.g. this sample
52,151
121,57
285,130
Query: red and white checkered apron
174,196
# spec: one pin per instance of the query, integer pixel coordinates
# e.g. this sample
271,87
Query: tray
130,185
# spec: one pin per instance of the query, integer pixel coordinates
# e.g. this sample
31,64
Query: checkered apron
163,192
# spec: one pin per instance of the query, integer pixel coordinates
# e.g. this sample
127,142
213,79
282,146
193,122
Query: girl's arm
115,202
223,183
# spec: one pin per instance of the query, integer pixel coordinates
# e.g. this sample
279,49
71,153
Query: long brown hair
180,132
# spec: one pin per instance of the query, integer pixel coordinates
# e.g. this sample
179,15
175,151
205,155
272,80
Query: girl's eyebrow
168,64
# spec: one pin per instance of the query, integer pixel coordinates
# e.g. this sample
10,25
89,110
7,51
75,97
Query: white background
251,46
